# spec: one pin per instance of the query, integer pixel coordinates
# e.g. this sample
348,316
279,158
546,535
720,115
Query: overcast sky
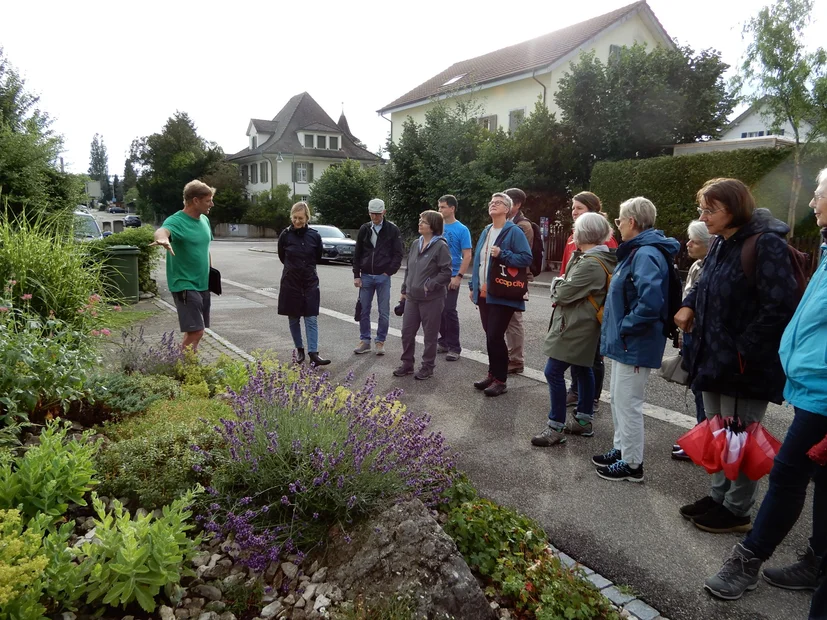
122,69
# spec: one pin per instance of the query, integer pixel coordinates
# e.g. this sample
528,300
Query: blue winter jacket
804,346
514,252
636,306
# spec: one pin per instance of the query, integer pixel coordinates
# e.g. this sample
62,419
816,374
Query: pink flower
116,308
3,309
26,297
95,332
93,313
94,298
81,310
12,282
106,332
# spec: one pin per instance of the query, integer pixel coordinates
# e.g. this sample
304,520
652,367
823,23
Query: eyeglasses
617,221
818,196
497,202
708,212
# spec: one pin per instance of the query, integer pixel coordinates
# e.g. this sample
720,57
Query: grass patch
126,318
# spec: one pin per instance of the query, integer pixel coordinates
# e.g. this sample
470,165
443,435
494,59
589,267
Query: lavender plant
304,454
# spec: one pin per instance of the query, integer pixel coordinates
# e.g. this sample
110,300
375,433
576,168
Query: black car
132,221
336,245
117,210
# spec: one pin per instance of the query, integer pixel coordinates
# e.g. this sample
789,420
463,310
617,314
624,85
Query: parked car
85,227
132,221
116,210
336,245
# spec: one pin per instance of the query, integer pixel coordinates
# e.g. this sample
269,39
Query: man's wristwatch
461,275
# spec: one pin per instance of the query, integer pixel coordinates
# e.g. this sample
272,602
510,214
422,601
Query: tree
788,82
130,177
340,196
117,189
271,209
230,200
640,102
99,166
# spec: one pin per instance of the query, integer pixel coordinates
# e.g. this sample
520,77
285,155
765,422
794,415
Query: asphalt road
631,533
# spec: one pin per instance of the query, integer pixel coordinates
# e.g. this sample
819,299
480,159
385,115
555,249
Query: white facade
755,124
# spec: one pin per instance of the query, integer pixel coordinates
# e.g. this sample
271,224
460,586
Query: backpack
674,295
799,260
592,300
536,267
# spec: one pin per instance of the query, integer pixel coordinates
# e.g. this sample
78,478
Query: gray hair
505,198
591,229
822,176
641,210
698,231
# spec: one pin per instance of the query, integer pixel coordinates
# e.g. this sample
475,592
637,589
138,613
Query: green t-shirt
189,269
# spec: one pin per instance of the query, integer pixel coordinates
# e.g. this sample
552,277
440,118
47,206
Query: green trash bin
122,271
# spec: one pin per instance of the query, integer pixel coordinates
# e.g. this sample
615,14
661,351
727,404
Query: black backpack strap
749,256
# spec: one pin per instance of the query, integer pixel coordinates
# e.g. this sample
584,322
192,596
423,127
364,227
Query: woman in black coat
300,249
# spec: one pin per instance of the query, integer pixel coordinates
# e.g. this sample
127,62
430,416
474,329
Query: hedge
672,182
147,259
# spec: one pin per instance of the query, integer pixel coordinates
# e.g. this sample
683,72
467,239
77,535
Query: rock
271,610
208,615
403,551
233,580
505,614
494,605
211,593
319,575
309,591
304,578
298,614
182,614
300,604
313,568
271,571
90,534
290,570
141,513
219,571
166,613
145,295
227,615
290,599
216,606
202,559
196,603
68,615
321,603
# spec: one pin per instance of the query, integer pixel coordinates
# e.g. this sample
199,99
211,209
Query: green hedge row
147,259
672,182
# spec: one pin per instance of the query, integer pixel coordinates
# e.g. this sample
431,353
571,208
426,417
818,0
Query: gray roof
302,112
264,126
320,127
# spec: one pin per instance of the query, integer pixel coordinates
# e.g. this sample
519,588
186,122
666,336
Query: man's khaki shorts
193,310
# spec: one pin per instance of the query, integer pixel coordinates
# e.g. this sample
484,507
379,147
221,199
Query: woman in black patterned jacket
737,319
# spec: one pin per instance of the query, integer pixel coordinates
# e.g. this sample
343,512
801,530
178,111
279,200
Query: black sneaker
403,371
481,385
620,470
495,389
803,575
738,574
604,460
719,520
424,373
699,508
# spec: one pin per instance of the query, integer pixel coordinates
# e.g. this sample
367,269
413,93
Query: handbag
357,313
507,282
672,370
215,281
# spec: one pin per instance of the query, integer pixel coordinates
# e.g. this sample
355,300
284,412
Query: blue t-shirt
459,238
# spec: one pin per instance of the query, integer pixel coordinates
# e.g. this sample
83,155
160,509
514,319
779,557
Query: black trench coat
300,249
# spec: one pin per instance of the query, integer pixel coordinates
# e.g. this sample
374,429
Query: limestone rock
166,613
290,570
271,610
211,593
319,575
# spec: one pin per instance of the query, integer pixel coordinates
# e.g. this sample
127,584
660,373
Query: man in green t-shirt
186,236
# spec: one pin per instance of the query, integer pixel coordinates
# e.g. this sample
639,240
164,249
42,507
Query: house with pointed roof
296,147
508,82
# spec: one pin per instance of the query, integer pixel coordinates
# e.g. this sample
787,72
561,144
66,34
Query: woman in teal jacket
803,354
503,240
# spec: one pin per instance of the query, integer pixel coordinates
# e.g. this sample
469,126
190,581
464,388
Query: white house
755,122
294,148
508,82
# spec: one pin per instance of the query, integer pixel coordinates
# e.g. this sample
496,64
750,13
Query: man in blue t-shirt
459,241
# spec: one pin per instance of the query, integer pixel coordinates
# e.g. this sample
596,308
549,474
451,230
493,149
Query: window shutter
310,172
294,172
492,122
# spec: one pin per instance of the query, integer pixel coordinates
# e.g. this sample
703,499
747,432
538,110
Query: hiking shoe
699,508
620,470
738,574
548,437
578,427
481,385
380,348
364,347
802,575
571,399
424,373
515,369
680,455
452,356
403,371
719,520
495,389
609,458
441,348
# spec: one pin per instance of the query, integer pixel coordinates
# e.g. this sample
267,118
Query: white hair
591,229
505,198
641,210
822,176
698,231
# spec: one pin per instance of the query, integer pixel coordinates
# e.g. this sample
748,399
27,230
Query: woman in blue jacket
803,355
503,240
632,333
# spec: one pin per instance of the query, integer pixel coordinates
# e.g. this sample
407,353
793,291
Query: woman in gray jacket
423,291
574,331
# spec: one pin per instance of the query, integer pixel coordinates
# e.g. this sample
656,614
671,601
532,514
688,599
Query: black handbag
215,281
357,313
507,282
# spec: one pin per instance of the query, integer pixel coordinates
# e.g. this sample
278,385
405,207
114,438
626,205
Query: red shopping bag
703,446
759,452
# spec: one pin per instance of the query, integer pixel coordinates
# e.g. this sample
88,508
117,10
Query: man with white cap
377,257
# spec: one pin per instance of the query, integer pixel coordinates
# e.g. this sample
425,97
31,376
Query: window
614,52
263,171
301,172
760,133
253,142
781,132
334,143
744,135
308,140
489,122
244,174
515,119
254,173
321,142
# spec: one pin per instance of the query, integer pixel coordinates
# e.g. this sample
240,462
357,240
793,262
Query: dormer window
321,142
253,142
308,140
334,143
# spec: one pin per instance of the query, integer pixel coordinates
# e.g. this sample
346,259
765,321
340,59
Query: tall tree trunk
794,190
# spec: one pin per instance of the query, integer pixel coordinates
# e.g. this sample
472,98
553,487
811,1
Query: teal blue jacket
803,348
514,252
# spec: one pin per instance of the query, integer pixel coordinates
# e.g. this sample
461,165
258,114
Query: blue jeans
583,375
449,324
311,326
790,475
381,285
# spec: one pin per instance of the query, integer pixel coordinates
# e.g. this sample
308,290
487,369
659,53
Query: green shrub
134,558
22,562
152,459
148,259
123,395
50,474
